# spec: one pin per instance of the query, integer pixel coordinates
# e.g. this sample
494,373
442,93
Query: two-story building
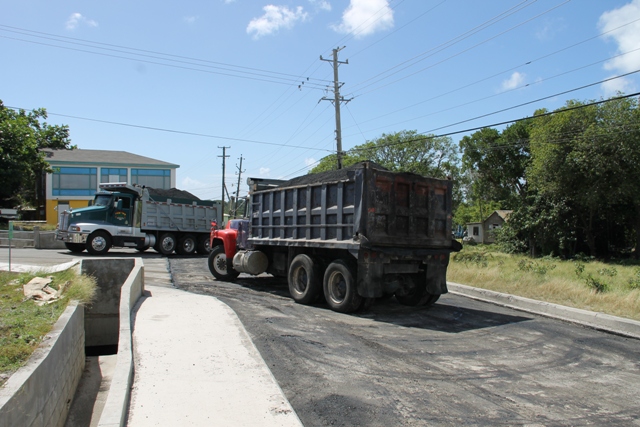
77,174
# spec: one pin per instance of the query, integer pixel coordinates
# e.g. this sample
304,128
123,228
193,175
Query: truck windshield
102,200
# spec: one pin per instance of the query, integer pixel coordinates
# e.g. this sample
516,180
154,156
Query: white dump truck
124,215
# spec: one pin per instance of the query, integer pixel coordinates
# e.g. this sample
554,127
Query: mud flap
437,278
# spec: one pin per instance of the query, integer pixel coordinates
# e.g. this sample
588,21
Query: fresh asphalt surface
461,362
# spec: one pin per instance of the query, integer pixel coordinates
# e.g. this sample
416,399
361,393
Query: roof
504,214
103,158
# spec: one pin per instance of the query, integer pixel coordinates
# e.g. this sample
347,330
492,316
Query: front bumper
67,237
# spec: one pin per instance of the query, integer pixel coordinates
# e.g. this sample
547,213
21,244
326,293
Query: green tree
22,137
587,157
405,151
498,162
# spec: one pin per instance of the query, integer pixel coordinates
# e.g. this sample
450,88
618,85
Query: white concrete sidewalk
195,365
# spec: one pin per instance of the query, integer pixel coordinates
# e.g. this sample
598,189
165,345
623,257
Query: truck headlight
74,228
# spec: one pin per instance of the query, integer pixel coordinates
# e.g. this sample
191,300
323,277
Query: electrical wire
174,131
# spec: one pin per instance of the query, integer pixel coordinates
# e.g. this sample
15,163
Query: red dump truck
350,235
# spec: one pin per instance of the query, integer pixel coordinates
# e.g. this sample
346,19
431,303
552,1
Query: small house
482,232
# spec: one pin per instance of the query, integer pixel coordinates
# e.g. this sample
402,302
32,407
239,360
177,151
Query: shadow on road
444,316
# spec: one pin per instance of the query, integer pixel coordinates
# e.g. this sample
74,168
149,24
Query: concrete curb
38,394
117,404
599,321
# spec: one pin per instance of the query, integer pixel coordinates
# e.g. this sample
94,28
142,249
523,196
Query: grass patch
584,283
23,324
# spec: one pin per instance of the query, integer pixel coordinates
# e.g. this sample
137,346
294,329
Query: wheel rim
189,245
300,280
337,287
220,263
99,243
167,244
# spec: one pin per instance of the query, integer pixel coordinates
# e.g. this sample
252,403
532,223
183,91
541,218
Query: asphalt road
461,362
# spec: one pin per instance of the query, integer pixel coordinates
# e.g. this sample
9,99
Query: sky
177,81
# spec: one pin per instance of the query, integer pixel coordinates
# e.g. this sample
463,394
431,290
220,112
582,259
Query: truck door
122,211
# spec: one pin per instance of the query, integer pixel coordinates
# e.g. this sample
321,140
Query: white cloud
274,18
627,38
190,19
310,161
549,29
77,19
623,85
265,171
516,80
365,17
321,4
190,183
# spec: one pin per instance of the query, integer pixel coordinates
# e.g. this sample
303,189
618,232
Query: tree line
571,176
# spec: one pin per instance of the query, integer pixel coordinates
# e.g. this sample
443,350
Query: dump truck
351,235
125,215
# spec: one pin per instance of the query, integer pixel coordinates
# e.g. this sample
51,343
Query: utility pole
224,157
336,100
239,173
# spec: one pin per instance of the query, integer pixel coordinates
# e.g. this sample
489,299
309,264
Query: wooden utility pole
235,209
224,157
337,99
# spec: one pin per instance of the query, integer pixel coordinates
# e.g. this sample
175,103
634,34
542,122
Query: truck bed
364,204
168,216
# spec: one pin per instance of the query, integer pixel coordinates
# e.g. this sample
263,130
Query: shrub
595,284
534,267
480,259
634,282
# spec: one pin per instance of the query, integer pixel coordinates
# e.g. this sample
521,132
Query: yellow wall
52,214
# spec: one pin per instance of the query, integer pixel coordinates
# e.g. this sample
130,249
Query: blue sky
177,80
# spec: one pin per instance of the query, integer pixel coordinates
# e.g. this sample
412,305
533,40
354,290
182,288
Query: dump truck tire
340,289
219,266
305,279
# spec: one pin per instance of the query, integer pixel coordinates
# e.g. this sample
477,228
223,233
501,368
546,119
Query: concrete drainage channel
41,393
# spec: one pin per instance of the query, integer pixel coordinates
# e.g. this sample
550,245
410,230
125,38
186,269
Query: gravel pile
328,176
171,193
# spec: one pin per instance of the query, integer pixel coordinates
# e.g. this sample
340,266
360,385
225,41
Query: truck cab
113,219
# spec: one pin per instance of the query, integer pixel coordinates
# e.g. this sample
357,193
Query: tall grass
587,284
23,323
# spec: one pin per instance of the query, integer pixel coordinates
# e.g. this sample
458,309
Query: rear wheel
416,289
429,299
75,247
167,243
340,289
305,279
98,243
218,265
186,245
203,245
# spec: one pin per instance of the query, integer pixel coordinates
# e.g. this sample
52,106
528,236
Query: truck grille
64,221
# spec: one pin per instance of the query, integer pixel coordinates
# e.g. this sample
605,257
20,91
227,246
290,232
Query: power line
427,133
449,43
175,131
207,68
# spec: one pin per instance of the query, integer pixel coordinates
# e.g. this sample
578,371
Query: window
476,230
154,178
113,175
74,181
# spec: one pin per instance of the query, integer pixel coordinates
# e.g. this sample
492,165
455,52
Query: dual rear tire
308,282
